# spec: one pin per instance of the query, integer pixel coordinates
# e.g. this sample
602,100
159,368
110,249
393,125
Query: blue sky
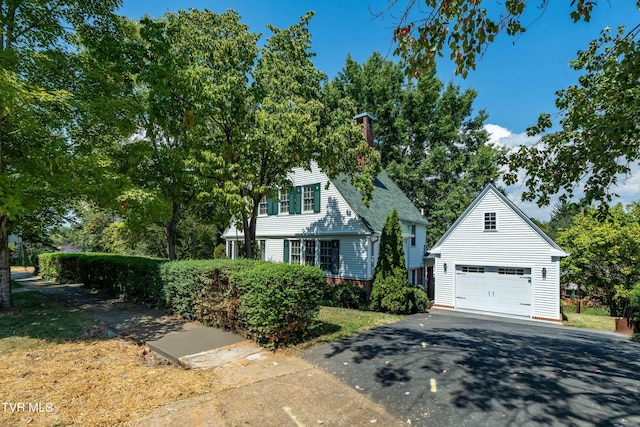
516,80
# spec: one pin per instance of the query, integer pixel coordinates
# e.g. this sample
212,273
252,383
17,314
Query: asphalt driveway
453,369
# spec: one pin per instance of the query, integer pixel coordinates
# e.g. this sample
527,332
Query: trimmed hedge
278,301
128,277
271,303
60,267
201,290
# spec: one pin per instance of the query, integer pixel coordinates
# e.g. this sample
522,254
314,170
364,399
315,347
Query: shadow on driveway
448,369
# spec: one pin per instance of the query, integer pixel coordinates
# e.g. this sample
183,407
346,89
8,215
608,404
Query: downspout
372,239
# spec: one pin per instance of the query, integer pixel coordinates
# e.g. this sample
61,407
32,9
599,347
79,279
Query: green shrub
634,310
201,290
134,278
419,300
278,301
129,277
390,293
220,252
345,296
61,267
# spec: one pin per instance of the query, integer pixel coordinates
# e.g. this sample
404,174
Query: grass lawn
90,381
591,321
37,321
335,323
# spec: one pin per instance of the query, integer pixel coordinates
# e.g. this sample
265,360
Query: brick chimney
366,120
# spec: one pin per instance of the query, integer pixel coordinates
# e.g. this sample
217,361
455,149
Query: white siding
414,254
513,244
353,258
353,254
335,221
335,216
275,250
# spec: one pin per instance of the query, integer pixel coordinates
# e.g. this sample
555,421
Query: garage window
514,271
472,269
490,221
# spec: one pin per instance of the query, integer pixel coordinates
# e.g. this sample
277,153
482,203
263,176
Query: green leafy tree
390,291
464,28
224,122
605,254
42,102
191,70
432,145
599,139
288,124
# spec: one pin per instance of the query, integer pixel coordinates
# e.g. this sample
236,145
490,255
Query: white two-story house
325,223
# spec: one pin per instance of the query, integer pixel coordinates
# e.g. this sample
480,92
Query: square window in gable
490,223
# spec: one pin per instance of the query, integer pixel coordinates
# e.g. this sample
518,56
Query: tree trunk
171,227
5,267
249,226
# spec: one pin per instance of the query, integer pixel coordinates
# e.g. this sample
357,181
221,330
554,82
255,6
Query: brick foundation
364,284
547,319
443,306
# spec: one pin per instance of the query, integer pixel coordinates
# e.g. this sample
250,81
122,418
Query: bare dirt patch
97,383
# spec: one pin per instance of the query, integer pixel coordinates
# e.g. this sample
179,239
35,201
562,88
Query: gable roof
385,197
555,249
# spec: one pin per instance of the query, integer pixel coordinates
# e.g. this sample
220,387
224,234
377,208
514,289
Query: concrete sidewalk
188,343
262,387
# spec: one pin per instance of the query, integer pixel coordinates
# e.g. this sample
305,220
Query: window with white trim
307,198
413,233
325,255
295,251
490,222
262,206
284,202
310,252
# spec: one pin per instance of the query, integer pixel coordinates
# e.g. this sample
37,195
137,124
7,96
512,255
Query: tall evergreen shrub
390,292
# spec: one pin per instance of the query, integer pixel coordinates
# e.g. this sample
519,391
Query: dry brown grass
93,383
19,269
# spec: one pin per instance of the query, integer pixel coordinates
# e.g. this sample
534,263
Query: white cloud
496,132
505,138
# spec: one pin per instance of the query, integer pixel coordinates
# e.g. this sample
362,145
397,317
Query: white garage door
496,289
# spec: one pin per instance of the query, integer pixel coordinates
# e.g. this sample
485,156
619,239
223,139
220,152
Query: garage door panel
494,292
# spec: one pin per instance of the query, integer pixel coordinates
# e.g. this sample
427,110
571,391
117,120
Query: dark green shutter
335,256
292,198
298,200
295,201
316,198
286,252
272,207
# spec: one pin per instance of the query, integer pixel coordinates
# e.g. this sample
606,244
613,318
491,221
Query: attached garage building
494,260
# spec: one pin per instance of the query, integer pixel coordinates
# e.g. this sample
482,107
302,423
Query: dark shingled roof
385,197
